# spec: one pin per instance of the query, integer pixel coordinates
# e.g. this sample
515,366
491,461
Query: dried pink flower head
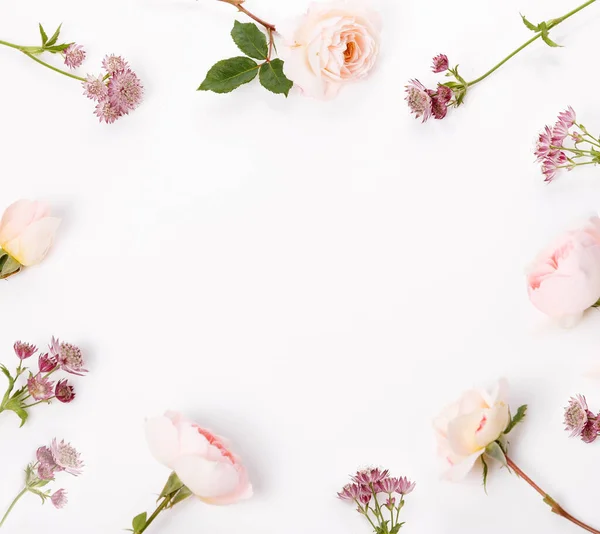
125,91
576,415
24,350
68,357
59,498
74,56
106,112
95,88
46,363
419,100
64,392
114,64
40,388
66,457
369,476
440,63
350,492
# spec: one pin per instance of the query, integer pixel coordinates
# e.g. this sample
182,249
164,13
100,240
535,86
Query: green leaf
181,495
43,34
54,37
15,405
10,266
518,418
529,25
493,450
11,382
40,494
173,484
139,521
228,74
250,40
485,473
548,41
272,77
396,528
58,48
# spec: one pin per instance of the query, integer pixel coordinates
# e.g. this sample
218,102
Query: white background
313,280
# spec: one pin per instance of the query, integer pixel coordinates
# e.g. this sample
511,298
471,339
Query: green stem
39,402
551,24
12,506
154,515
391,512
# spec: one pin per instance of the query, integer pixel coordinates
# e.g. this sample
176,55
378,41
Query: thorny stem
551,24
12,506
556,508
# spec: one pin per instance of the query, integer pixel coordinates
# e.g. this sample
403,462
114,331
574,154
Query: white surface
313,280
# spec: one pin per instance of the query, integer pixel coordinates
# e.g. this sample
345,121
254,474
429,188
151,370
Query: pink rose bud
64,392
46,363
24,350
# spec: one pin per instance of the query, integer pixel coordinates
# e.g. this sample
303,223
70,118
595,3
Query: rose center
349,52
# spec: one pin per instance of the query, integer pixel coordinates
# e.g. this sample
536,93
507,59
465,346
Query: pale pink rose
27,231
564,279
202,460
465,428
333,43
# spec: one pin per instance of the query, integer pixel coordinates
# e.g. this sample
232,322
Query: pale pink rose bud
59,498
24,350
334,43
564,280
27,231
64,392
465,428
46,363
202,460
440,63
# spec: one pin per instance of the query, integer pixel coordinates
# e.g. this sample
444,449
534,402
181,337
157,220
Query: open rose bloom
201,460
333,44
564,280
465,428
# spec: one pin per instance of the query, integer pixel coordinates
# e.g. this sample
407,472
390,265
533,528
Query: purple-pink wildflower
40,388
350,492
59,498
64,392
125,91
46,363
95,88
106,112
74,56
113,64
369,476
68,357
419,100
580,421
24,350
440,63
66,457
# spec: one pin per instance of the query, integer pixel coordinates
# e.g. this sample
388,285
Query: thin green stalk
64,73
12,506
39,402
154,515
391,512
551,24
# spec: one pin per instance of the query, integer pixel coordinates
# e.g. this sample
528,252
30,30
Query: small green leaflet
271,77
54,38
181,495
250,40
493,450
485,473
173,485
529,25
139,521
43,34
228,74
518,418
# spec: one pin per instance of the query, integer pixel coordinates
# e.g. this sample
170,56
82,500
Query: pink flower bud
64,392
440,63
46,363
59,498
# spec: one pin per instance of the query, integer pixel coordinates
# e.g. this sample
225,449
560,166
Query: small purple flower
59,498
576,415
64,392
74,56
419,100
66,457
68,357
114,64
24,350
440,63
125,91
46,363
40,388
95,88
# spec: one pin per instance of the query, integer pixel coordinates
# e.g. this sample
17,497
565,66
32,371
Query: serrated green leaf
529,25
173,484
54,38
518,418
250,40
228,74
58,48
139,521
549,41
485,473
494,451
181,495
43,34
273,78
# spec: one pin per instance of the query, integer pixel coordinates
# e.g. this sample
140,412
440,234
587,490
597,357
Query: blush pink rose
564,280
334,43
27,231
202,460
465,428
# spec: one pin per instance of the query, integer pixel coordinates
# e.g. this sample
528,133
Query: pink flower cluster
74,56
117,92
580,421
550,150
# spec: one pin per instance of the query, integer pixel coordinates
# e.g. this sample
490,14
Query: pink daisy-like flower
576,415
440,63
47,466
68,357
542,147
74,56
390,502
365,497
64,392
66,457
46,363
553,162
439,101
419,100
24,350
59,498
40,388
350,492
106,112
114,64
95,88
559,134
370,476
405,486
125,91
568,117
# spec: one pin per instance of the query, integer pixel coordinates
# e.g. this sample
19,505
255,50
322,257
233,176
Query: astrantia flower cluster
39,388
580,421
379,497
566,145
118,91
58,457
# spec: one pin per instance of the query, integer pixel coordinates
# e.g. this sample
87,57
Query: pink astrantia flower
369,476
544,142
64,392
350,492
47,466
74,56
440,100
419,100
46,363
576,417
68,357
113,64
440,63
125,91
107,112
405,486
40,388
567,117
24,350
66,457
95,88
59,498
